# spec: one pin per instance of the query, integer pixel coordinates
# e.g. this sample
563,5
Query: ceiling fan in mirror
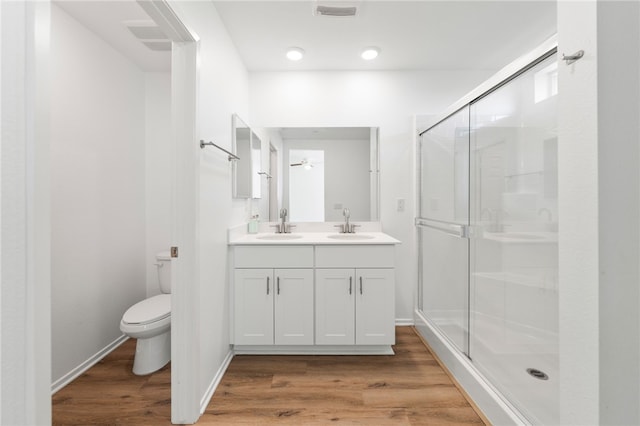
304,163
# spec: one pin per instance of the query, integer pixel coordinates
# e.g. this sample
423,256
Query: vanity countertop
313,238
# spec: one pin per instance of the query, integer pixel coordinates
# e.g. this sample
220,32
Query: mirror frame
242,168
256,165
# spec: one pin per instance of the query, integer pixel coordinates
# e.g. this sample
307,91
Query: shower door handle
457,230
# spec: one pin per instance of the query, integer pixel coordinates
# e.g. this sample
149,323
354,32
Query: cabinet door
294,307
375,307
253,306
335,306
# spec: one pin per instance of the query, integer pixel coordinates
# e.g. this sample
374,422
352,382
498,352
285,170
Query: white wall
346,176
223,90
157,172
97,192
618,30
578,211
599,210
388,100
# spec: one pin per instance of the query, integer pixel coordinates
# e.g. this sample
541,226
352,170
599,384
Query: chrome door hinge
174,251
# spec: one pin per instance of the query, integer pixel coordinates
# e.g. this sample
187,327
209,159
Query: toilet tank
164,260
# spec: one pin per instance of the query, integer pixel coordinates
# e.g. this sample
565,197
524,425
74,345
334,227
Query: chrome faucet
550,225
498,220
496,217
283,227
547,211
486,210
347,214
283,219
346,227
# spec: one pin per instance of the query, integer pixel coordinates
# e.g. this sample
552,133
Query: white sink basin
350,237
279,237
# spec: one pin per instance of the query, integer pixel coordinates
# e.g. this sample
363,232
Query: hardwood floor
110,394
409,388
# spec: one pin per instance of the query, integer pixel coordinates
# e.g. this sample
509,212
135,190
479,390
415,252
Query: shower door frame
488,398
450,227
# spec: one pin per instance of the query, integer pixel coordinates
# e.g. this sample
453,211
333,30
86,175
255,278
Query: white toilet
149,321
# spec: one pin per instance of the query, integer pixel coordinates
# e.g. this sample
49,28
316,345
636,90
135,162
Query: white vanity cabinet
313,298
355,305
293,316
253,306
273,306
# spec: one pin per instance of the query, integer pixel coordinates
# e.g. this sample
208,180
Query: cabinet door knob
278,284
267,285
360,285
350,284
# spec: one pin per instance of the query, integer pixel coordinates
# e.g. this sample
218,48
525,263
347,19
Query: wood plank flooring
409,388
110,394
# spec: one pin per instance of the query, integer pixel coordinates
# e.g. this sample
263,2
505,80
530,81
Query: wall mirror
256,165
328,169
247,146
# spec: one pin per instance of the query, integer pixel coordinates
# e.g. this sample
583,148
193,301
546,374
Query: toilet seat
148,311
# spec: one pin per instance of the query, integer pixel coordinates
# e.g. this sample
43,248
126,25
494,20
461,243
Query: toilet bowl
149,321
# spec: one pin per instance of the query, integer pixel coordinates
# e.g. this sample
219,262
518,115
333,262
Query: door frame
25,243
185,325
25,337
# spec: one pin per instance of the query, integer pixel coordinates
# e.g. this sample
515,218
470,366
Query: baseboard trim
215,381
405,322
313,350
76,372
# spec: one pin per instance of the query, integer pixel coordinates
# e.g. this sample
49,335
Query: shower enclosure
488,236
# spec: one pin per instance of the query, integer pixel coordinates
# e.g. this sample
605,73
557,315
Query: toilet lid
149,310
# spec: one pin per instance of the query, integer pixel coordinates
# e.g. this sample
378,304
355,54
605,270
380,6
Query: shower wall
490,287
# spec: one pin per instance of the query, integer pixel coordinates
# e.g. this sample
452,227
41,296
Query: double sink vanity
313,291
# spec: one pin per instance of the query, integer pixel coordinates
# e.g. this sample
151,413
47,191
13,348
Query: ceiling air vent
149,34
336,10
145,30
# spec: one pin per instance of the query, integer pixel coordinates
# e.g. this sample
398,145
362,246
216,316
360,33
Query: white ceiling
412,35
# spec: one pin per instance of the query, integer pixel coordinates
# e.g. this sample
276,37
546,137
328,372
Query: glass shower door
443,225
514,244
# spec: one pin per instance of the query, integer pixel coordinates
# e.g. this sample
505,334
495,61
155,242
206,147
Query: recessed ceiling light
295,53
370,53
